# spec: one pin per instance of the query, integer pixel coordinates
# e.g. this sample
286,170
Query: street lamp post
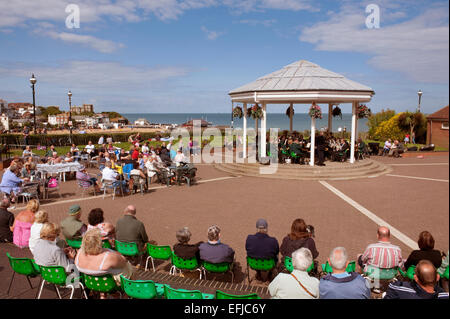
419,93
70,114
33,82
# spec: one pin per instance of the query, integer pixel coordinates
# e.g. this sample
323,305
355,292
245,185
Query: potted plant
362,111
255,112
288,111
237,112
315,111
337,112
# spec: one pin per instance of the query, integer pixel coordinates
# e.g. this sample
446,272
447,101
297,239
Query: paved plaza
413,197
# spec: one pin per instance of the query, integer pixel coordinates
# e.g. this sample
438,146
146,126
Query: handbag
303,286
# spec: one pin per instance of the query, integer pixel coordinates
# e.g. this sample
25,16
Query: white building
142,122
4,120
91,121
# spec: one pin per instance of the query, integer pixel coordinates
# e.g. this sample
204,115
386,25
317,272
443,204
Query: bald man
424,285
130,229
382,254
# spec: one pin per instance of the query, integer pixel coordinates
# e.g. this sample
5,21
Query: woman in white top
40,218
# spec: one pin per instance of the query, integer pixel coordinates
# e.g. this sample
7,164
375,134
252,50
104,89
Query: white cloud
96,74
254,22
212,35
418,47
104,46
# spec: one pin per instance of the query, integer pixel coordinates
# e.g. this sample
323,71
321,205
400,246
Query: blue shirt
10,182
344,286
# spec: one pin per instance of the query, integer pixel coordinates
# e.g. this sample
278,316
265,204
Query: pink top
21,234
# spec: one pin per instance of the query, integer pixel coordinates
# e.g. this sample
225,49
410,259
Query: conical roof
302,76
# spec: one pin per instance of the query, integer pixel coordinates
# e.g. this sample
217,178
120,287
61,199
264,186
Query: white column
330,118
313,141
263,131
352,146
290,117
244,137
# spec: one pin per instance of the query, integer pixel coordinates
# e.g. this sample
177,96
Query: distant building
58,119
190,123
142,122
4,120
91,121
437,128
86,108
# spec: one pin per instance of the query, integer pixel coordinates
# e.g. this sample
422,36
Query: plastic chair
84,187
381,273
259,264
444,274
157,252
74,243
106,244
220,268
179,264
110,184
223,295
141,289
138,182
326,268
56,275
409,272
127,249
171,293
22,266
289,267
29,192
126,170
104,283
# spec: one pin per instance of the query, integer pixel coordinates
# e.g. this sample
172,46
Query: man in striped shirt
382,254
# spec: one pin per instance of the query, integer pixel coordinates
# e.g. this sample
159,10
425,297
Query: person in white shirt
89,148
169,146
27,151
111,175
180,158
145,148
101,140
298,284
40,218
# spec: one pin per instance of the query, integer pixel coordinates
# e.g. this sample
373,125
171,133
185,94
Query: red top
135,155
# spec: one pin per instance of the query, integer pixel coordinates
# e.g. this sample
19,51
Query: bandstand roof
302,82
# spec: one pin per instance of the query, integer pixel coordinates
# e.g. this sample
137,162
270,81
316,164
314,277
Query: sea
301,121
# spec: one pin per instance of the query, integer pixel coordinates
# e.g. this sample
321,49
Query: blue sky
186,55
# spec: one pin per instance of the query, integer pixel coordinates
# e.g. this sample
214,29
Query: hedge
78,139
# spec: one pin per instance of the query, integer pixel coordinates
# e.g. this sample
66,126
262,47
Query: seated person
298,284
298,237
89,148
50,151
183,249
108,174
424,286
341,284
23,222
426,251
28,170
92,259
214,251
85,179
11,183
123,155
27,151
6,222
130,229
72,227
68,158
382,255
55,159
137,172
74,150
180,158
96,220
47,253
40,218
387,147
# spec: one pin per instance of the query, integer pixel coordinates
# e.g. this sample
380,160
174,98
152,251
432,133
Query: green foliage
112,115
389,129
376,119
51,110
413,122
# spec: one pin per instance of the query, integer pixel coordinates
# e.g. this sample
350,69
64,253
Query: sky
184,56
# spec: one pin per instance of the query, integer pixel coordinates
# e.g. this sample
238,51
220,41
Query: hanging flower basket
255,112
237,112
337,111
315,111
288,112
363,111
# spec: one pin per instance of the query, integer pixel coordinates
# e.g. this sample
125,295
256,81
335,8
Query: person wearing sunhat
85,179
72,227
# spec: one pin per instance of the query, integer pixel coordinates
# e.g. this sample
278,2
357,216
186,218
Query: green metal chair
326,268
179,264
22,266
220,268
444,274
74,243
171,293
103,283
106,244
157,252
259,264
56,275
223,295
142,289
288,264
409,272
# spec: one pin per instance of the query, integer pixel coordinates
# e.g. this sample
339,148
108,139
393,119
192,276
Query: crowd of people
31,228
295,148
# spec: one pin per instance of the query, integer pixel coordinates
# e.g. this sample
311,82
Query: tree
413,122
377,118
389,129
